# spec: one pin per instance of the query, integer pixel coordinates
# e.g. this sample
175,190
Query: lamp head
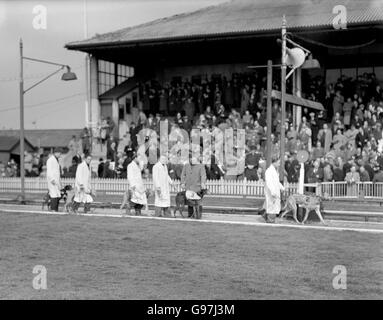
295,57
68,75
311,63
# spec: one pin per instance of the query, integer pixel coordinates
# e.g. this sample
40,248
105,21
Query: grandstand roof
45,138
239,17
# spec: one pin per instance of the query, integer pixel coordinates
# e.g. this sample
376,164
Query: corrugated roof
7,143
45,138
241,16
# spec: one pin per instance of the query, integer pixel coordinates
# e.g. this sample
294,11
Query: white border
248,223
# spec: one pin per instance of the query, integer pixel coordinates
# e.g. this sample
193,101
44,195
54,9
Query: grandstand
221,40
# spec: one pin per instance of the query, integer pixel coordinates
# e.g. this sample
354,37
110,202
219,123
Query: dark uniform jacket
193,176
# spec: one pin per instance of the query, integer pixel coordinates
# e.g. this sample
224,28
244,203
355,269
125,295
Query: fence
331,190
358,190
118,186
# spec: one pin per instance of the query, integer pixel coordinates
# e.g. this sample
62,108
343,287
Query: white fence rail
118,186
359,190
332,190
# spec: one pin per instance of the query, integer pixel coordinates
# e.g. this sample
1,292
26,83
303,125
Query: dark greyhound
181,201
65,194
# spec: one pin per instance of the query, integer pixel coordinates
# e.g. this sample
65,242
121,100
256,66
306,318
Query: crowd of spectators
9,169
344,141
33,165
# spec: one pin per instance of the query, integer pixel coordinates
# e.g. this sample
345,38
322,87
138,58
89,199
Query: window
379,73
332,75
349,72
123,73
105,76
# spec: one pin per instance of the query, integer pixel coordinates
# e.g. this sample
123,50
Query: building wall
4,157
227,70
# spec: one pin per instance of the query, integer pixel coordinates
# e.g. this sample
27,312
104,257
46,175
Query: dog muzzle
191,195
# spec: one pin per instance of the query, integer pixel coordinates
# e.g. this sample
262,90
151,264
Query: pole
268,115
87,103
299,94
21,86
294,106
283,102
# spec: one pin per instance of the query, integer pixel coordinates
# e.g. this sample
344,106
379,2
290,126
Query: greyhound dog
126,200
181,201
308,202
66,194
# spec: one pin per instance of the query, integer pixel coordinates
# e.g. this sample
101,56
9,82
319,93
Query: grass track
116,258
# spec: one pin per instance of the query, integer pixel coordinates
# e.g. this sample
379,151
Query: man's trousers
76,205
162,212
55,204
191,211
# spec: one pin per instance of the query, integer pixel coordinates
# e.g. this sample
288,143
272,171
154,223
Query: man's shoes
264,216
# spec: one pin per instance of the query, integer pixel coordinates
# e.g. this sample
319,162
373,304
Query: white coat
161,181
53,177
83,183
135,184
273,190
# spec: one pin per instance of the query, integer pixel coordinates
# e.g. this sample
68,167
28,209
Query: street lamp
283,102
67,76
295,58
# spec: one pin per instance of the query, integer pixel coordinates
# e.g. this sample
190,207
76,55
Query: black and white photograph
191,154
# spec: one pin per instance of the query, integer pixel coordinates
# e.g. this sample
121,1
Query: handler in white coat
53,179
273,190
136,185
161,183
83,187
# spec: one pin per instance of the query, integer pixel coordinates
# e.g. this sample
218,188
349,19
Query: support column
299,94
283,103
269,111
294,106
115,110
94,110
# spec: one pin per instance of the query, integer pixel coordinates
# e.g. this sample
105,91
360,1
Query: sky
56,104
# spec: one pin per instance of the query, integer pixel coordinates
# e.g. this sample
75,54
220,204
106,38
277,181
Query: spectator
315,174
361,138
100,169
338,174
72,169
378,176
318,151
339,140
292,168
327,173
347,109
338,103
85,137
247,117
364,176
352,178
189,108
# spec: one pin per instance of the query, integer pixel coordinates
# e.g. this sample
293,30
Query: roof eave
202,37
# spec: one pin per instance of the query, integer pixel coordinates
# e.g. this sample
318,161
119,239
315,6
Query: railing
358,190
118,186
330,190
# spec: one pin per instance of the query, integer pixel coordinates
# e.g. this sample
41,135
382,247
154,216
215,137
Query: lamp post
296,62
67,76
269,67
283,103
